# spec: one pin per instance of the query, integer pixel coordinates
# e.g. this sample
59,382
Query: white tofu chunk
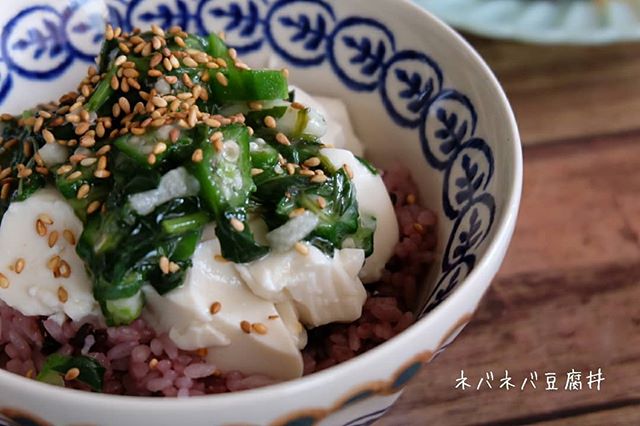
41,287
185,314
322,289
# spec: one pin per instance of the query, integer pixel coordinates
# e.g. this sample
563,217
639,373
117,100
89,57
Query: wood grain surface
568,294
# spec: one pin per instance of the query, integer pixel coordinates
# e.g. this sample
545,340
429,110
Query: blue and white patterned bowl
416,93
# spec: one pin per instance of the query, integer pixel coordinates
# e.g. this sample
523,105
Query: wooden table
568,295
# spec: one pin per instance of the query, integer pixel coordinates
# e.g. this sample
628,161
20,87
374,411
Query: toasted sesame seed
157,30
72,373
312,162
245,326
5,172
216,136
120,60
69,236
153,363
4,281
151,159
23,171
173,267
285,72
103,150
124,105
4,192
109,33
154,73
307,172
197,156
64,269
123,47
282,139
100,130
130,73
218,145
48,136
53,238
83,191
159,102
102,174
164,264
297,212
166,63
45,218
212,122
222,79
102,163
174,135
171,79
256,172
322,203
411,199
215,308
37,126
88,161
75,175
202,352
156,43
237,224
348,170
190,62
301,248
255,106
291,168
30,373
193,117
319,179
159,148
155,60
270,122
179,41
219,258
63,295
297,105
19,265
93,207
259,328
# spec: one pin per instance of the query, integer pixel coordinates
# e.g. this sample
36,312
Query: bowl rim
487,265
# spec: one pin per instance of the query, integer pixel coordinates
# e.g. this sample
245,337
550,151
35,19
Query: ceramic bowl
544,21
416,92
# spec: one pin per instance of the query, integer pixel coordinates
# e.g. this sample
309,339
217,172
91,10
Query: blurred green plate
543,21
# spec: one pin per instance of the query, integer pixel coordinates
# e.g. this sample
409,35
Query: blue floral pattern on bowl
364,56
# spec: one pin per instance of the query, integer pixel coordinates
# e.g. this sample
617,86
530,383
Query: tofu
322,289
185,313
37,290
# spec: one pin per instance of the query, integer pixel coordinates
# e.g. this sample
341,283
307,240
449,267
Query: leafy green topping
56,366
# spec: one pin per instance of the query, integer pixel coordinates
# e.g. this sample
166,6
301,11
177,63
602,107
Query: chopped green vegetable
124,311
225,176
187,104
56,366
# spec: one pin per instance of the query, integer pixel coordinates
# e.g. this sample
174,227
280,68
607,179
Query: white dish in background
543,21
